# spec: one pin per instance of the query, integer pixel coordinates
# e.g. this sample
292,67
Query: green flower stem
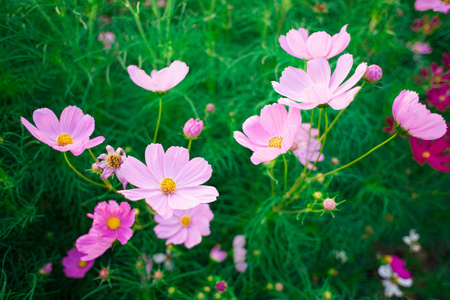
92,154
159,119
189,145
285,172
327,129
81,175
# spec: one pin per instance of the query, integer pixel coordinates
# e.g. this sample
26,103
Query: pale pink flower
186,226
46,269
415,118
114,221
217,254
239,241
270,134
319,44
169,180
239,253
305,147
317,86
93,245
103,273
112,163
421,48
193,128
159,81
329,204
70,133
107,38
74,266
435,5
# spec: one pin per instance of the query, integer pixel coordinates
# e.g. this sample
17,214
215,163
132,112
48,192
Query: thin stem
159,119
327,129
92,154
361,157
272,183
81,175
285,172
189,145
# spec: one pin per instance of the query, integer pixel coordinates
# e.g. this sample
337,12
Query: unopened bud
333,272
157,275
329,204
270,286
104,273
317,195
200,296
207,289
95,167
221,286
334,161
47,269
210,107
193,128
327,295
171,290
373,73
320,177
279,286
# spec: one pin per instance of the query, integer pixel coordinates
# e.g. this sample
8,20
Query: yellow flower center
441,98
113,161
113,223
64,139
185,221
82,264
275,142
426,26
387,259
168,186
394,279
426,154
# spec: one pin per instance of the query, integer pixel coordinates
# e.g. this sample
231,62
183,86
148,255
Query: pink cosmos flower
271,134
421,48
435,153
391,281
307,151
426,26
93,245
438,76
440,97
114,221
217,255
435,5
112,163
415,118
398,266
169,180
46,269
74,266
239,253
186,226
319,44
193,128
107,38
315,87
70,133
159,81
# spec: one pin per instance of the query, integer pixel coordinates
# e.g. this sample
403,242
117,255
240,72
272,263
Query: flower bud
171,290
317,195
193,128
207,289
320,177
47,269
373,73
200,296
270,286
334,161
210,107
104,273
329,204
95,167
327,295
221,286
158,275
279,286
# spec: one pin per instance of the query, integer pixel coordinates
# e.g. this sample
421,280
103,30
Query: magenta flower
74,267
93,245
70,133
113,221
421,48
271,134
159,81
46,269
435,5
435,153
316,87
305,147
415,119
446,59
425,26
398,266
169,180
319,44
186,226
107,38
373,73
217,255
193,128
112,164
440,97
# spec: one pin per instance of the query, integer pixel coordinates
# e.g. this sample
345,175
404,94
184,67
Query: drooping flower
107,38
415,119
316,86
217,254
114,221
421,48
74,266
165,258
46,269
270,134
93,245
186,226
169,180
373,73
435,5
70,133
392,281
193,128
319,44
440,97
436,153
159,81
112,162
412,241
239,253
305,147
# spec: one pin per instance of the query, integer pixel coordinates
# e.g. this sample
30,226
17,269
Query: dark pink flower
426,26
70,133
221,286
435,153
186,226
373,73
74,266
112,163
193,128
446,60
93,245
440,97
46,269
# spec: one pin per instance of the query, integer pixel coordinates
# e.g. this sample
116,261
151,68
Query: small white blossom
412,241
341,255
392,281
165,259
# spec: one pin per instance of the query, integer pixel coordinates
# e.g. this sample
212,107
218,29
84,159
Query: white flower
341,255
392,281
412,241
165,259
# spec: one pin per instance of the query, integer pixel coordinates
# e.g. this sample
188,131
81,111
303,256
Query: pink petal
343,100
343,67
296,43
180,200
255,131
161,205
244,141
47,122
164,231
273,119
138,174
360,70
193,238
203,193
154,157
70,120
319,71
179,237
138,194
340,42
265,155
140,78
197,171
319,44
317,94
174,160
201,224
291,103
34,131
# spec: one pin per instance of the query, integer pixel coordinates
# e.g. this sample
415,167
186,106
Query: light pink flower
169,180
74,266
114,221
93,245
217,255
186,226
107,38
307,150
193,128
319,44
70,133
239,253
46,269
317,86
421,48
435,5
159,81
270,134
239,241
415,118
112,163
